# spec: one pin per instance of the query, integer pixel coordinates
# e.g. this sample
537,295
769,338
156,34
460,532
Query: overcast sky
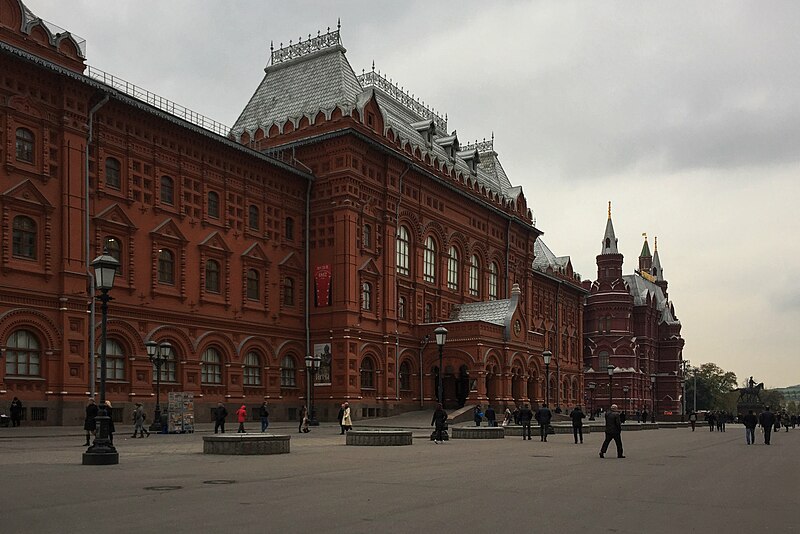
685,115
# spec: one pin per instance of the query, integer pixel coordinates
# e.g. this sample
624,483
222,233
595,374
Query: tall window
114,248
252,369
211,372
253,285
289,229
168,368
115,361
166,267
23,354
428,312
401,308
112,173
288,292
253,217
493,281
24,145
366,296
367,374
405,376
603,360
452,269
429,261
288,372
24,238
402,251
213,204
212,276
167,190
367,237
474,275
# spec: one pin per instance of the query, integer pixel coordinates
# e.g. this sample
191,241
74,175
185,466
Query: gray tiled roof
302,86
492,311
544,258
639,287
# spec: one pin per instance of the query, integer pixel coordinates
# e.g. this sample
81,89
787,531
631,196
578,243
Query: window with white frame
288,372
252,369
23,355
212,367
493,281
452,269
115,361
402,251
429,261
474,276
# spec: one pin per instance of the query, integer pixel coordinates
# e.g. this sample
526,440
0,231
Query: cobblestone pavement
672,480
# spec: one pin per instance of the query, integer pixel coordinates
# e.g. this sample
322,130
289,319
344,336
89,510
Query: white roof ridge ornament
303,48
375,79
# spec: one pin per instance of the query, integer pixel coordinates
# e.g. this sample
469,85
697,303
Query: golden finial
644,235
609,209
655,244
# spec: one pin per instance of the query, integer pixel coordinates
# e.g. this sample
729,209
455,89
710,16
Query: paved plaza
673,480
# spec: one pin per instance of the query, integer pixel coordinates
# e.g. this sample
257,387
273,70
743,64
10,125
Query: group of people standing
768,420
221,414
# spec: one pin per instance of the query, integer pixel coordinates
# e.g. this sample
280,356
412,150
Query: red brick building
630,325
339,217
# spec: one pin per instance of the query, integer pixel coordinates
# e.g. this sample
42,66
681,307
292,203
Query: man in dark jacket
767,421
613,431
16,411
491,416
750,421
439,419
263,413
525,416
339,418
577,416
543,417
220,413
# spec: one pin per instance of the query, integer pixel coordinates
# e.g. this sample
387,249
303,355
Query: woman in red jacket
241,413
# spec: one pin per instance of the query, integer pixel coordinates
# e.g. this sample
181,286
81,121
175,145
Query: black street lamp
312,366
158,353
102,451
546,355
655,396
625,390
441,339
592,385
610,370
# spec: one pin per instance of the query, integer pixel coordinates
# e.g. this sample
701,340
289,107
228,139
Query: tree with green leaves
714,385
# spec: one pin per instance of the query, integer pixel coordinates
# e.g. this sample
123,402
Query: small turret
645,258
609,261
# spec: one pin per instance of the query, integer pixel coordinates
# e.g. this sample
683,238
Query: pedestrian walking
477,415
16,411
340,417
711,418
139,417
220,414
241,416
644,416
767,420
525,416
303,426
543,417
693,419
347,422
263,413
491,416
90,420
516,413
577,416
439,419
750,421
507,416
638,416
613,431
111,427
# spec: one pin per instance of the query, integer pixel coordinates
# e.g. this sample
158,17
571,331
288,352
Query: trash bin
4,420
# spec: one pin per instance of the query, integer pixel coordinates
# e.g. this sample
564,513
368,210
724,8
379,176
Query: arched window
24,238
25,144
402,251
168,368
213,204
114,249
429,261
367,237
405,376
252,369
452,269
288,372
493,281
23,354
112,173
115,361
603,360
474,275
289,229
367,374
428,312
167,190
366,296
253,218
564,392
212,276
166,267
211,372
253,284
288,291
401,308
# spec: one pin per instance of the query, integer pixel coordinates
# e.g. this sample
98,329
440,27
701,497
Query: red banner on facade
322,285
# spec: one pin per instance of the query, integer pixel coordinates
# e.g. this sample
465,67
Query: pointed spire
658,272
645,248
609,239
